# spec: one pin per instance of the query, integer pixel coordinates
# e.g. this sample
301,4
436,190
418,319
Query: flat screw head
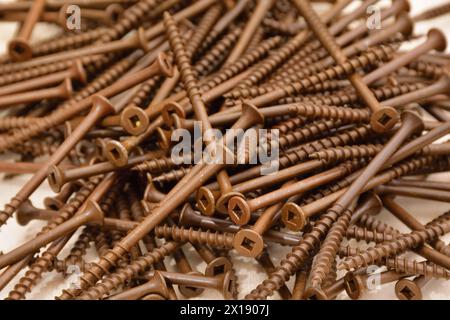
293,217
116,153
55,178
19,50
218,266
205,201
248,243
407,290
134,120
222,202
313,293
164,64
439,37
354,285
383,119
239,211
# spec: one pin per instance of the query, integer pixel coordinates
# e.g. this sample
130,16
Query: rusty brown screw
19,49
63,91
156,285
383,118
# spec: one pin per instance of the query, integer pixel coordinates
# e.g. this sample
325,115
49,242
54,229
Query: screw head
134,120
248,243
407,290
165,65
293,217
384,119
229,285
313,293
218,266
239,211
169,109
222,202
354,285
116,153
19,50
439,37
190,292
55,178
205,201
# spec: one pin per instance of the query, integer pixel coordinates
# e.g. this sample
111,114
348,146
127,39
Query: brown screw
414,192
19,49
355,285
63,91
383,118
224,283
156,285
406,289
215,265
252,24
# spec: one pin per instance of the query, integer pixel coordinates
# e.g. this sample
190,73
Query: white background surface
249,272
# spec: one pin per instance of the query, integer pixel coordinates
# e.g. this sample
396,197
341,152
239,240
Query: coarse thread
399,245
244,62
307,132
348,137
272,62
155,165
72,206
310,240
331,277
345,115
426,69
7,123
183,62
327,87
327,254
255,40
70,41
131,18
371,223
123,275
289,125
25,133
345,251
35,148
341,98
338,154
140,98
306,59
280,27
368,58
295,259
368,235
105,79
79,248
324,191
424,268
216,54
433,12
101,243
205,24
213,239
171,176
32,276
300,71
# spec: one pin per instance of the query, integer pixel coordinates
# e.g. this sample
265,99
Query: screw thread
171,176
399,245
345,251
341,98
130,19
308,132
368,235
365,59
155,165
213,239
427,69
346,115
67,42
289,125
32,276
79,248
217,53
339,154
371,223
142,95
8,123
204,26
131,271
424,268
328,250
272,62
295,259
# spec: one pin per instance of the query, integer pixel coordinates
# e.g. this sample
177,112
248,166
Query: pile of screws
353,120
